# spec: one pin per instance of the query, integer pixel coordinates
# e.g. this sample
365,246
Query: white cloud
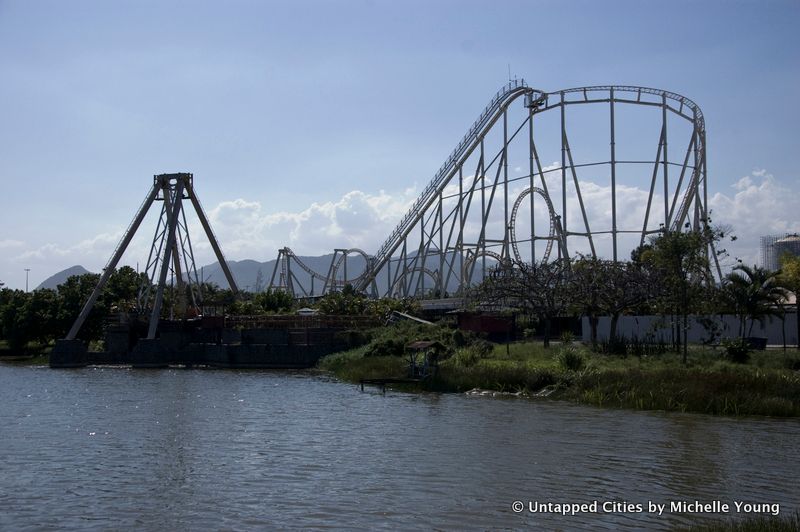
9,243
357,219
88,247
758,205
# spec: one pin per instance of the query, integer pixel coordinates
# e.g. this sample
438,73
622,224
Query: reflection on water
120,448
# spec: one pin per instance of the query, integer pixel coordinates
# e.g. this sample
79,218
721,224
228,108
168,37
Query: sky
315,124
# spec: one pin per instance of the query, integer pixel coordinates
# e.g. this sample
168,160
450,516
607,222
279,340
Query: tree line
47,314
668,276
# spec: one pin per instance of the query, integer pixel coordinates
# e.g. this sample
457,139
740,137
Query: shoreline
706,385
768,385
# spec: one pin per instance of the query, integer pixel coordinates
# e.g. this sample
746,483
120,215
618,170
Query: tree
383,307
28,317
274,300
122,288
73,294
603,287
39,316
214,296
789,278
587,283
11,310
346,302
752,293
679,260
540,290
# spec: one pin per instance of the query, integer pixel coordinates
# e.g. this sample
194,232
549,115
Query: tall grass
509,377
788,523
726,392
353,366
32,354
708,383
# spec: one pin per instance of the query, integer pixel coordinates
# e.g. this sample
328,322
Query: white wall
657,328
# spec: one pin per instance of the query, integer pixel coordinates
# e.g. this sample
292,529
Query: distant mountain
247,272
254,276
53,281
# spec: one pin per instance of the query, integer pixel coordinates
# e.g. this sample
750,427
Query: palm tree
753,293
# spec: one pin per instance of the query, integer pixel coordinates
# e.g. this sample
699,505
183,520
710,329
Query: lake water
114,448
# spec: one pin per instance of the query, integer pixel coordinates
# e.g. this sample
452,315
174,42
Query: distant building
774,246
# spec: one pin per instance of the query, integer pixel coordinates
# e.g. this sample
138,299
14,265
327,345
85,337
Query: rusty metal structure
521,185
170,253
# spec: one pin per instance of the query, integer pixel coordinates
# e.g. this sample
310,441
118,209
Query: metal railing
469,139
697,119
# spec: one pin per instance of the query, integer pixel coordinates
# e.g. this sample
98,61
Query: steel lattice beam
464,216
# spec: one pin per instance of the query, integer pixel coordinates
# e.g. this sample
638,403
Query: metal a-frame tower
171,246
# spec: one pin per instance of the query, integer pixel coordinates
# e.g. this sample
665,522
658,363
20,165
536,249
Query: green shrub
483,347
393,339
386,347
511,377
791,362
736,350
567,337
353,338
458,338
570,359
466,357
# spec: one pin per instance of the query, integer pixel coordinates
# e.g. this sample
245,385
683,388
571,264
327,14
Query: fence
702,329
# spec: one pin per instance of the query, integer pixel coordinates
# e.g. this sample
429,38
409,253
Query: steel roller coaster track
470,211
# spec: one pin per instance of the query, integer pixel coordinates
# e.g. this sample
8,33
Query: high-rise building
774,246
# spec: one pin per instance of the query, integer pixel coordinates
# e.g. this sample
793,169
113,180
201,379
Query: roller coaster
494,193
465,219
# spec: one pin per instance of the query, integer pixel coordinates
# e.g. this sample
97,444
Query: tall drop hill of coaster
587,171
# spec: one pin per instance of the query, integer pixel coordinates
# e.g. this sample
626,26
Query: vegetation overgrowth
760,523
30,321
33,354
709,382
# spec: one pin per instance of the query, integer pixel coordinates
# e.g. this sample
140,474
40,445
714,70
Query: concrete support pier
69,354
149,353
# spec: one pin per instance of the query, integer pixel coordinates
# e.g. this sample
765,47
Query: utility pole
27,270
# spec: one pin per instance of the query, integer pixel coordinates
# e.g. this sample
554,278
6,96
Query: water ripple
115,448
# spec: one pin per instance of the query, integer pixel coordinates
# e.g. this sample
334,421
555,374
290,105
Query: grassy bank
789,523
707,384
31,354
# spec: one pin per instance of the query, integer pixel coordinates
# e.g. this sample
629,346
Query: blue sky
291,112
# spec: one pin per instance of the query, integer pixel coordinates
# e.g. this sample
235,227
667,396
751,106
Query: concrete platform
69,354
